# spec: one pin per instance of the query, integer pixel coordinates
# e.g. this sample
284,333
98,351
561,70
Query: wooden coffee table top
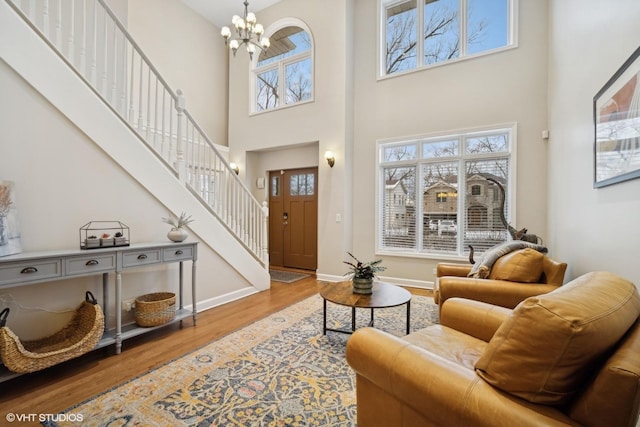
384,295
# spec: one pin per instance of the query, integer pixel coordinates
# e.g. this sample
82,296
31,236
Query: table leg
371,323
353,319
193,290
118,312
408,317
324,316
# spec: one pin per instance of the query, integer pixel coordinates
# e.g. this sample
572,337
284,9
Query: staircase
67,43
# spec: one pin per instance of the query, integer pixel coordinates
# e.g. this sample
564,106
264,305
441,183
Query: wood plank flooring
64,385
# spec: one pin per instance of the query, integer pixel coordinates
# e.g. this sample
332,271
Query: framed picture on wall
616,112
9,228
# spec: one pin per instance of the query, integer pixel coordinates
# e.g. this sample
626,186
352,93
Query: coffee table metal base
353,319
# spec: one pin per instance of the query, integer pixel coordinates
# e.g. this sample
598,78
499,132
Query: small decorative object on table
363,274
92,242
100,234
177,233
106,240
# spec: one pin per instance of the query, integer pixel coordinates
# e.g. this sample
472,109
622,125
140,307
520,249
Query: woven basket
155,309
79,336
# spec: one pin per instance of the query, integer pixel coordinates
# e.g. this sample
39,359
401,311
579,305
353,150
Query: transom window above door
283,75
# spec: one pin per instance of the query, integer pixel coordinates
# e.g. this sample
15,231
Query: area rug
278,371
286,276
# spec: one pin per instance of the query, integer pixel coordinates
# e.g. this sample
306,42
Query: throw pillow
524,265
548,347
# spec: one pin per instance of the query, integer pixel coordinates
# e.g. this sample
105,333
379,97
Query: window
421,33
283,75
448,189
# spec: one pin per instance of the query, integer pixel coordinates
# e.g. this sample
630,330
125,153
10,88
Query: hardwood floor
64,385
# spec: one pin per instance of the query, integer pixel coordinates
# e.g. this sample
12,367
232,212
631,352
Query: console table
29,268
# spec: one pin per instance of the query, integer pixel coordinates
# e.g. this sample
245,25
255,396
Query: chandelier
248,33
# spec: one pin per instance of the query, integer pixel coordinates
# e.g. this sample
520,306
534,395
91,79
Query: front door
293,218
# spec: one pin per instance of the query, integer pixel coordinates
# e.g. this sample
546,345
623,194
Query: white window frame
510,128
281,66
512,37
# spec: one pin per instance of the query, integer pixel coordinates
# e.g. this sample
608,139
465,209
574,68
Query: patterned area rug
278,371
286,276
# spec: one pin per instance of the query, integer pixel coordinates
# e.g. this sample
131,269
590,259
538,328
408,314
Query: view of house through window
420,33
283,75
440,195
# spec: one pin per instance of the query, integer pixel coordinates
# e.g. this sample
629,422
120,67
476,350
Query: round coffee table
384,295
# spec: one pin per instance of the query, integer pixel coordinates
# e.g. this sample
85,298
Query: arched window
283,75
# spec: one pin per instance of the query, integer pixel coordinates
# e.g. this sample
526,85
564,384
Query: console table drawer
31,271
90,264
133,259
179,253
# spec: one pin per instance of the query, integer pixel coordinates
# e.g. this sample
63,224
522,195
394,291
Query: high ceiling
220,11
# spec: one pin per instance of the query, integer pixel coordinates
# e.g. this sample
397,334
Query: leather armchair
485,365
452,281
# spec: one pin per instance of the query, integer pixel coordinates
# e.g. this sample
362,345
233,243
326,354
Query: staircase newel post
181,134
265,234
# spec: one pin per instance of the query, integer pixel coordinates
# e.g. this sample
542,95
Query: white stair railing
93,42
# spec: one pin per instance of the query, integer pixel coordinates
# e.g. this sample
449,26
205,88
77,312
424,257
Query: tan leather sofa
513,277
567,358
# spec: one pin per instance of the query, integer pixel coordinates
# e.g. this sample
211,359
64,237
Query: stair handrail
253,235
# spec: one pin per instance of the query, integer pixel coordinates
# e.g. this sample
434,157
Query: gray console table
29,268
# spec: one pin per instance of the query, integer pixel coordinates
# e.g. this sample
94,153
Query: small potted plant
363,274
177,232
119,239
91,242
106,240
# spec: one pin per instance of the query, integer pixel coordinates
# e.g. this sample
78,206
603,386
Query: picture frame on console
10,242
616,113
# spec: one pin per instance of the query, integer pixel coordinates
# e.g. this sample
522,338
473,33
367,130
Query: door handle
285,218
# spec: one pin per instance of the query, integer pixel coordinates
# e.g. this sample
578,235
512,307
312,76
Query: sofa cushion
524,265
547,348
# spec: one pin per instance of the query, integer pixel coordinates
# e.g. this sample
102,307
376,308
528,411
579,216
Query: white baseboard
224,299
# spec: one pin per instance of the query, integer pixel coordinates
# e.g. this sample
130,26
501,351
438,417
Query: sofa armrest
451,269
475,318
440,391
497,292
553,271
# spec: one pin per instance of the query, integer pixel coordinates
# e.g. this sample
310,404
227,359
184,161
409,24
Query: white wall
353,109
62,181
505,87
323,121
591,229
189,53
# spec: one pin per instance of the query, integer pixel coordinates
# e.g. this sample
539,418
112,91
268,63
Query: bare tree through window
441,24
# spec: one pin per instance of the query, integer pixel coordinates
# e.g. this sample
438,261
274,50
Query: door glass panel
275,186
293,185
302,184
310,184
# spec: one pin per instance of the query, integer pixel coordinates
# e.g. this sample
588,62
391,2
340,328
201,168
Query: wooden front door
293,218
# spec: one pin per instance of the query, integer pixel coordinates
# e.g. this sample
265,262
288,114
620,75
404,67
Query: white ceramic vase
177,235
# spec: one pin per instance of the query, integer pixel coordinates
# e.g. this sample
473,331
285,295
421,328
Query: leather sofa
513,277
566,358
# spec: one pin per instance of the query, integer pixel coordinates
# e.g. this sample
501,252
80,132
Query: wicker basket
79,336
155,309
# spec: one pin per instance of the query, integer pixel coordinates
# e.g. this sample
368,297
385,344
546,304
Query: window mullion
463,28
420,34
282,84
419,208
462,197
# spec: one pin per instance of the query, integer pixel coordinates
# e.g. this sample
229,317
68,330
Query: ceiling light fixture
248,33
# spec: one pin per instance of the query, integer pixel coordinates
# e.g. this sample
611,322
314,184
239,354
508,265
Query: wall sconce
330,159
234,168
